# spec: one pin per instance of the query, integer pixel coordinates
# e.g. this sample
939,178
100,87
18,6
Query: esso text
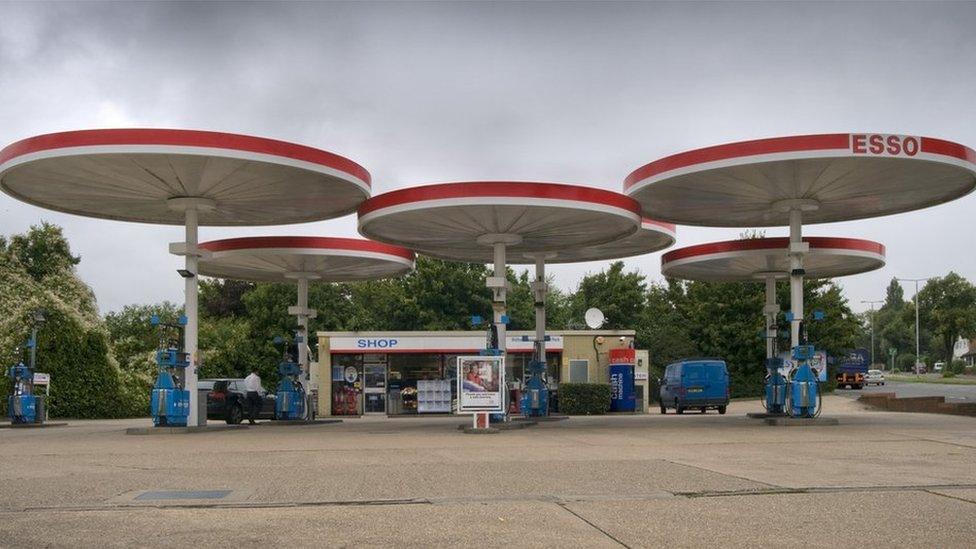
885,144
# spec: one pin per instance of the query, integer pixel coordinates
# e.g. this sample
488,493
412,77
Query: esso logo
885,144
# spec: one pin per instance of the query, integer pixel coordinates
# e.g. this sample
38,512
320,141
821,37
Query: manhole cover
183,494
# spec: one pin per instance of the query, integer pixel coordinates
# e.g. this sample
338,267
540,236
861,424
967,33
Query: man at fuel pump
252,384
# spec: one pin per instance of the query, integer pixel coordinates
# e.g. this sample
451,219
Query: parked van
699,383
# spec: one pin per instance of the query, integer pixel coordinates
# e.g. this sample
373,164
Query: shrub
584,399
957,366
948,374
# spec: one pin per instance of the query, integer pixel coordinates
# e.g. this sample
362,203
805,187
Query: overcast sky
421,93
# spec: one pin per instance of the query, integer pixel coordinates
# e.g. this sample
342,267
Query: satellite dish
594,318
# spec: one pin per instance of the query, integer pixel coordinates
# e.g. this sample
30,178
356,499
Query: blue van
699,383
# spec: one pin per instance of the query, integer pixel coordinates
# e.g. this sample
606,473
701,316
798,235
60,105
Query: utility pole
918,351
872,302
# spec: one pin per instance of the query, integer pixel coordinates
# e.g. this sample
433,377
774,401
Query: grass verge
909,378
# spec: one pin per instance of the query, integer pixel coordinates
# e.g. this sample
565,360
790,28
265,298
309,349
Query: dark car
228,401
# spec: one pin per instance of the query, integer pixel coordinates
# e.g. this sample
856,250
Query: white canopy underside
747,265
135,187
451,232
272,266
644,241
847,188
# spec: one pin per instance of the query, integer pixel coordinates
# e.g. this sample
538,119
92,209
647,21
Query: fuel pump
804,389
23,406
22,403
170,402
535,399
776,386
290,395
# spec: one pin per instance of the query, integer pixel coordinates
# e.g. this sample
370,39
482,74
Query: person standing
252,384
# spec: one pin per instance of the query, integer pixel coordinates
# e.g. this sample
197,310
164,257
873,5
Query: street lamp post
918,351
872,302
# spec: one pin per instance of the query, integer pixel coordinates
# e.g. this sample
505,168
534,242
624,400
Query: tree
894,295
381,305
948,306
222,298
520,302
134,339
42,251
621,296
725,320
37,272
445,295
663,328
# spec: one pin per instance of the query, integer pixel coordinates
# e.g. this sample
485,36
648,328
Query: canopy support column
191,206
191,291
302,315
539,291
797,249
303,330
772,308
499,303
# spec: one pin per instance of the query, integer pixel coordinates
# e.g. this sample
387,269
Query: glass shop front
415,381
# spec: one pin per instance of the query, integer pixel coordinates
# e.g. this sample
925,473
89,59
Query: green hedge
584,399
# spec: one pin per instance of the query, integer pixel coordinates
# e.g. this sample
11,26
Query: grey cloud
424,92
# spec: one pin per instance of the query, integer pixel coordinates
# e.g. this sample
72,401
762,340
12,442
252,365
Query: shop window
405,371
347,375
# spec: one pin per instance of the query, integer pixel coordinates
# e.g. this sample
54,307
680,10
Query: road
953,393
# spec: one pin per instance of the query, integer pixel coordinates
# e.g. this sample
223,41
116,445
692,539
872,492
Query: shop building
406,373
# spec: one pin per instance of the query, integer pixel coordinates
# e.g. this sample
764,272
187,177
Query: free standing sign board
481,380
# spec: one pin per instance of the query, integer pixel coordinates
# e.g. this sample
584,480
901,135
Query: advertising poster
480,383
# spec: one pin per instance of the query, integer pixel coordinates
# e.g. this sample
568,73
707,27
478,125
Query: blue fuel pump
23,406
290,395
804,385
21,403
776,387
170,402
535,399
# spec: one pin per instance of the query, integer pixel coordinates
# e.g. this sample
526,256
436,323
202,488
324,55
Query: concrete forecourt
877,479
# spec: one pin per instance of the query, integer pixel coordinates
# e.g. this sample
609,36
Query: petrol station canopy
285,258
831,177
758,258
653,236
135,175
461,221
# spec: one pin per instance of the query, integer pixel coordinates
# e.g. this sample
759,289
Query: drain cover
183,494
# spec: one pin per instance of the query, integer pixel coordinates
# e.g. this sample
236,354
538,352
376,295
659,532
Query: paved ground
877,479
953,393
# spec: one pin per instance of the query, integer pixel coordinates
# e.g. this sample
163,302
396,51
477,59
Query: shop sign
481,380
466,343
517,343
623,356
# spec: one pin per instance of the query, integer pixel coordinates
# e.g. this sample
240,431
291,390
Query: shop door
374,388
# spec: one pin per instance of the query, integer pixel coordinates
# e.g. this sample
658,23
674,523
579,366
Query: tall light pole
918,351
872,302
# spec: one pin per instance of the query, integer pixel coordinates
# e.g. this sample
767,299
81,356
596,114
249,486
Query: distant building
965,350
